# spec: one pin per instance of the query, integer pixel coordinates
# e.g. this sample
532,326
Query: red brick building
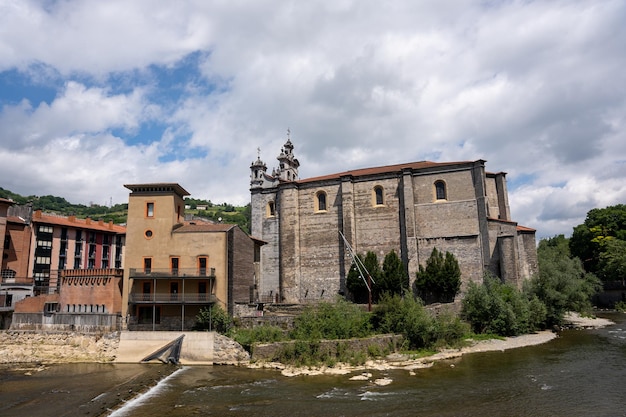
69,270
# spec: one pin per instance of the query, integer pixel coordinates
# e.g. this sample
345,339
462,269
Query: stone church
411,208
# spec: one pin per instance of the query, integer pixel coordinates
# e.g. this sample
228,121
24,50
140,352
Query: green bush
259,334
214,318
495,307
407,316
340,320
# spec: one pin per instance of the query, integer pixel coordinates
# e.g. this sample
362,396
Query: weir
185,348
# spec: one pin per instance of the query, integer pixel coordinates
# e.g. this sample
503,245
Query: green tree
562,283
440,280
590,239
356,284
393,278
612,263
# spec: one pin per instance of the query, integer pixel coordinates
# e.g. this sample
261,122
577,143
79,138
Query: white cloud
535,88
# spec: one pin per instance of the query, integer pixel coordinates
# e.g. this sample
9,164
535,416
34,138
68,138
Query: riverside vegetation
489,310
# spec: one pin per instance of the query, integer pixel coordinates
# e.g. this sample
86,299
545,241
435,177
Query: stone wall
70,347
61,347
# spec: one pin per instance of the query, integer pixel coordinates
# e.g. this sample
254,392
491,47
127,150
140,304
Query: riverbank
21,347
407,362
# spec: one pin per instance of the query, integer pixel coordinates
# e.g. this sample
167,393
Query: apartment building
61,272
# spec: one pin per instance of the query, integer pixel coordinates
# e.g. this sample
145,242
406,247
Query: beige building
410,208
173,268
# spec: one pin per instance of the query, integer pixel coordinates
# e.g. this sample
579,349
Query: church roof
385,170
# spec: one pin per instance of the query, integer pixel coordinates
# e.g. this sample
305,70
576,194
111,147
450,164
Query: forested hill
226,213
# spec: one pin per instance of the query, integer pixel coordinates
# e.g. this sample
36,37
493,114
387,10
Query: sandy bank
406,362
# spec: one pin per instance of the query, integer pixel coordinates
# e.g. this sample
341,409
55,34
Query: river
581,373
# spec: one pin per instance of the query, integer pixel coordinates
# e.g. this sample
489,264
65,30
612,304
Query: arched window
271,209
378,199
440,190
321,201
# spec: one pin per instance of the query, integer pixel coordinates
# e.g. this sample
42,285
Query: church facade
410,208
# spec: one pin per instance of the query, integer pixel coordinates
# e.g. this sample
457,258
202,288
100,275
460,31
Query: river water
581,373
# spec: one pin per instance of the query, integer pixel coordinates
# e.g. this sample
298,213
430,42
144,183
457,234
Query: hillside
118,212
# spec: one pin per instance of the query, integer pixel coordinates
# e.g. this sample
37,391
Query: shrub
340,320
495,307
213,318
407,316
258,334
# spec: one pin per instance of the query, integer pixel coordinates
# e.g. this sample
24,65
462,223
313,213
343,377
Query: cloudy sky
96,94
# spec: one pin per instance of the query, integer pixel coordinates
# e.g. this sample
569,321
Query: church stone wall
320,245
467,251
306,258
377,226
266,228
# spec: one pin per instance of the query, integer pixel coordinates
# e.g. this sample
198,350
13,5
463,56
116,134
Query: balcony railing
169,298
173,273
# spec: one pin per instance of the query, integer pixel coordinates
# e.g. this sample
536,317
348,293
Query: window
147,265
440,190
174,265
148,234
45,229
202,265
8,273
271,209
321,201
378,196
150,209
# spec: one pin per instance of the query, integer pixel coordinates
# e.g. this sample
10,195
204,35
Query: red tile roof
193,227
72,221
383,170
525,229
7,201
15,219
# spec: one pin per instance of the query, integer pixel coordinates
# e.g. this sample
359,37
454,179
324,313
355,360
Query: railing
172,298
172,273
